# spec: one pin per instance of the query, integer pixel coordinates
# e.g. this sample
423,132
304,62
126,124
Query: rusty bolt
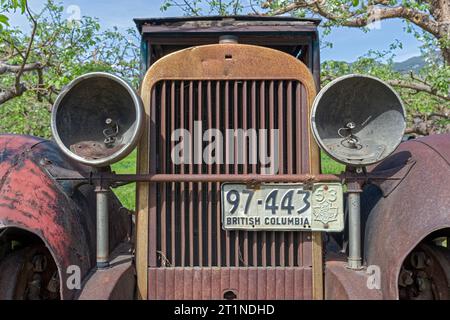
39,262
45,162
406,278
418,260
53,284
421,280
420,284
34,287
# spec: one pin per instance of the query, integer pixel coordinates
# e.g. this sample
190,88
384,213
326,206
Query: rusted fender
61,215
400,215
342,283
118,282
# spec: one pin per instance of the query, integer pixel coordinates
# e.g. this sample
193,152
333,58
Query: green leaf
4,19
355,3
23,5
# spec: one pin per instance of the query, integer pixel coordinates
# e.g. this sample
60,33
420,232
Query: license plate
283,207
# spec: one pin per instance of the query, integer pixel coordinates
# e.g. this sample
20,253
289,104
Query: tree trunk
440,10
446,54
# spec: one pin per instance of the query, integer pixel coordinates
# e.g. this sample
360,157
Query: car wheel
29,274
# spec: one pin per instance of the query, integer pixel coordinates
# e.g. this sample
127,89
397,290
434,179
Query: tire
425,274
29,274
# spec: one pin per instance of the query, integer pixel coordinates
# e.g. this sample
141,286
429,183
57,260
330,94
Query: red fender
62,216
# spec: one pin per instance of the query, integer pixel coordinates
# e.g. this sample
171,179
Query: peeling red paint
29,208
32,200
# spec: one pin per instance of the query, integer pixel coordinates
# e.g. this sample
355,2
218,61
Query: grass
127,194
329,166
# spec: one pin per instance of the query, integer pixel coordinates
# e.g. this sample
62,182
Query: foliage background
36,64
52,54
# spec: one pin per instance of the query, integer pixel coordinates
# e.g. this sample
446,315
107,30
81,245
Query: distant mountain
412,64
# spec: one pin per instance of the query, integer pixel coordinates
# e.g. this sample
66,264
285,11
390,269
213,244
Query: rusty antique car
242,226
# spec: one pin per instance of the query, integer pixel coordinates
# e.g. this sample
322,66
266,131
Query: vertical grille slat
245,167
182,189
290,164
281,121
209,190
163,155
200,211
173,116
153,188
256,234
187,230
299,158
227,166
262,122
219,155
278,238
191,189
236,165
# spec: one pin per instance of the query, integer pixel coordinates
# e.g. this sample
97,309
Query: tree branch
252,6
421,87
18,84
19,88
40,84
4,68
14,47
377,12
9,94
188,5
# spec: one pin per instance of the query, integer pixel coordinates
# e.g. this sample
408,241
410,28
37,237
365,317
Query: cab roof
226,24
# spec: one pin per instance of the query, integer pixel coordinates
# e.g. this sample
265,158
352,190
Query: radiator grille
188,218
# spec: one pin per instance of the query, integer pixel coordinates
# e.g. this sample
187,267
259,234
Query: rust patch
92,150
416,208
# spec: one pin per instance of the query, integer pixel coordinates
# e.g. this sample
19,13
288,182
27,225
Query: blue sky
348,43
